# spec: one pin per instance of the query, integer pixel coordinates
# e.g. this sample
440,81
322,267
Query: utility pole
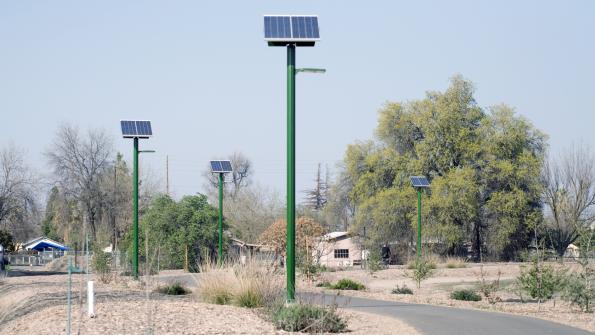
167,174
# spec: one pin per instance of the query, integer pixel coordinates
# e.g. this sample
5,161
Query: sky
202,73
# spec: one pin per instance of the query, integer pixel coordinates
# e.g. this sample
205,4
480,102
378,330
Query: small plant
455,262
348,284
308,318
465,295
539,280
174,289
101,265
402,290
421,271
489,288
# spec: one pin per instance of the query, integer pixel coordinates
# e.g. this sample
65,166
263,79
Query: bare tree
79,164
569,193
18,207
316,198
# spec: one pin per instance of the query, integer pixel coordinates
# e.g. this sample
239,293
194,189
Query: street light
419,182
291,31
220,168
135,130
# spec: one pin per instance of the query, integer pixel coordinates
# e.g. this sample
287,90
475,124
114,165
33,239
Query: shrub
580,286
402,290
455,262
422,270
540,281
173,289
308,318
465,295
101,265
249,298
348,284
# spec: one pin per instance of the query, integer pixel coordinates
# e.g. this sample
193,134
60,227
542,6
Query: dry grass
248,285
452,262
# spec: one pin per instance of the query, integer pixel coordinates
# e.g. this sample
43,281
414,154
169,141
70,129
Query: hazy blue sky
202,73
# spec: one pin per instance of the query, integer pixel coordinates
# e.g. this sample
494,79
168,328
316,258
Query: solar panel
419,181
134,128
221,166
299,29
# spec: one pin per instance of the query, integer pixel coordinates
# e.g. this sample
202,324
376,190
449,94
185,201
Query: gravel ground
37,304
436,291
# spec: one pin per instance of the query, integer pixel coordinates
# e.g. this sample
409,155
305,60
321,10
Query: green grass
347,284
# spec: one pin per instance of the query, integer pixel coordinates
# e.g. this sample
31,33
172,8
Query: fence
39,259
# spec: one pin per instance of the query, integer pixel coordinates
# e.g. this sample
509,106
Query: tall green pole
290,173
135,210
220,250
418,223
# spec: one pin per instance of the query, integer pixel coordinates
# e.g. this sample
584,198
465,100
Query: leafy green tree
176,229
6,240
483,164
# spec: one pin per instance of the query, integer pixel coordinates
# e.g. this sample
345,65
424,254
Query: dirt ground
437,289
37,304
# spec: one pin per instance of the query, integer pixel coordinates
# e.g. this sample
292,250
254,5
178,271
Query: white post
90,300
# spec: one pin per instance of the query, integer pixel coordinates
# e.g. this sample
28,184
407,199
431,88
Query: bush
465,295
101,265
347,284
579,291
173,289
489,288
422,270
540,281
402,290
374,262
308,318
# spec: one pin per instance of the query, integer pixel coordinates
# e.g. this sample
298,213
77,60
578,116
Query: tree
79,163
18,207
317,198
307,234
174,228
6,240
569,193
483,165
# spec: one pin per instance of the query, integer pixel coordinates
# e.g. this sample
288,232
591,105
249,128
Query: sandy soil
37,304
436,291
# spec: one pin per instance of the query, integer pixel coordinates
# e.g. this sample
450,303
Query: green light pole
418,223
291,31
220,168
220,247
419,182
135,206
135,210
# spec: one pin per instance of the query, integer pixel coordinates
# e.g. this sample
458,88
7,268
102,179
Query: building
337,249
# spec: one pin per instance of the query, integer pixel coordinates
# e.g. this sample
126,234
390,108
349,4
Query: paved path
438,320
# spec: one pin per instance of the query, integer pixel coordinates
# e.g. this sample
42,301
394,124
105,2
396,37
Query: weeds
402,290
489,288
455,262
347,284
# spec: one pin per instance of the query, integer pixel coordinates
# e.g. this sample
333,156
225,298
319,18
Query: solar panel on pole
301,30
419,181
221,166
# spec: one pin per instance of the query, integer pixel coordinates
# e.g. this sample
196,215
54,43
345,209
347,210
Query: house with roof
338,249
